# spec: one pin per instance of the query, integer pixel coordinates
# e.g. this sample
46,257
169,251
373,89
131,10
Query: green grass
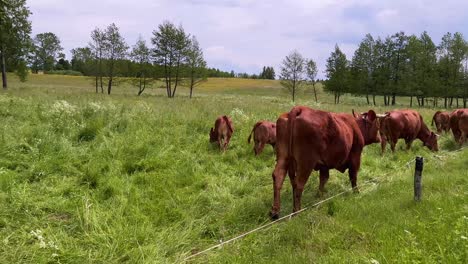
109,179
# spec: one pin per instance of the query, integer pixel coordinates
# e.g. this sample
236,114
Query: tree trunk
457,101
411,101
109,86
97,84
373,99
315,92
451,102
445,102
100,74
393,99
294,93
367,98
422,101
4,76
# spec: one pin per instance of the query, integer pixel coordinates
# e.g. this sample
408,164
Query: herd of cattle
305,139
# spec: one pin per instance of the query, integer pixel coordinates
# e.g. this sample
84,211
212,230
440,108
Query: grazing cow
442,121
264,132
222,132
459,125
406,124
308,139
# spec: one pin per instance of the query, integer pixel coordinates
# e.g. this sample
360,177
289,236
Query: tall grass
107,179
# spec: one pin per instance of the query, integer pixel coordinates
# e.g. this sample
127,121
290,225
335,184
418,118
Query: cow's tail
291,122
433,118
253,129
228,123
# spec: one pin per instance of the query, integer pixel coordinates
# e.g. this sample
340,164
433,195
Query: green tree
170,50
196,65
267,73
15,41
115,50
46,51
97,47
337,72
141,55
452,51
397,44
420,75
292,73
62,63
363,68
311,72
82,60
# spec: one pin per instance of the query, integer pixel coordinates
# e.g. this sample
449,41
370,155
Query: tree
15,42
46,51
141,56
97,47
62,63
170,49
398,43
292,72
363,67
337,72
419,76
115,49
452,51
82,61
196,65
311,71
267,73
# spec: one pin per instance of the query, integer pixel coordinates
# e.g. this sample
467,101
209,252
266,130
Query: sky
245,35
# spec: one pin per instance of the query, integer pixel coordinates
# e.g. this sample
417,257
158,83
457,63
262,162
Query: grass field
92,178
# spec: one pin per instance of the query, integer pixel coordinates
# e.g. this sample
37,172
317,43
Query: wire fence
374,182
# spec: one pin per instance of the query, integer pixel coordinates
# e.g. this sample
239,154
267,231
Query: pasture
92,178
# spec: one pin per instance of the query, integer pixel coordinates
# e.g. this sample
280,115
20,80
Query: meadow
93,178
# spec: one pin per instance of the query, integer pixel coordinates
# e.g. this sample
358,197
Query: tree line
174,56
402,65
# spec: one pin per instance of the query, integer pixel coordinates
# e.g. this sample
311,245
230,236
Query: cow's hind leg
408,143
278,178
393,143
462,138
324,175
383,143
303,173
353,171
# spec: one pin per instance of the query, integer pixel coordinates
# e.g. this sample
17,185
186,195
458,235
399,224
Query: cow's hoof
274,215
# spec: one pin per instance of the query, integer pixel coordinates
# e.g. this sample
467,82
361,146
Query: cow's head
431,142
369,125
213,136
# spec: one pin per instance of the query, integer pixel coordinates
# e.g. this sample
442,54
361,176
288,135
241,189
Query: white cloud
244,35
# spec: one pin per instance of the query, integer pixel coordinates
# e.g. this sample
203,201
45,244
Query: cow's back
324,138
401,124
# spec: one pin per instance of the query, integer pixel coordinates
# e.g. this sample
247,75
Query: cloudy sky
244,35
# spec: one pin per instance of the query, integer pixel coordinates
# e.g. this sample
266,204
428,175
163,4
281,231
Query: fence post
418,178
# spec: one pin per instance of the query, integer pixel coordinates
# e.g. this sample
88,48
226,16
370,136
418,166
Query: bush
65,72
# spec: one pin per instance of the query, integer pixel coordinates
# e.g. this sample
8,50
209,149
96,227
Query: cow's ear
371,115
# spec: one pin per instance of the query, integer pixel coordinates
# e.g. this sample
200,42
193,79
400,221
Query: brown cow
459,125
264,132
309,139
442,121
222,132
406,124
